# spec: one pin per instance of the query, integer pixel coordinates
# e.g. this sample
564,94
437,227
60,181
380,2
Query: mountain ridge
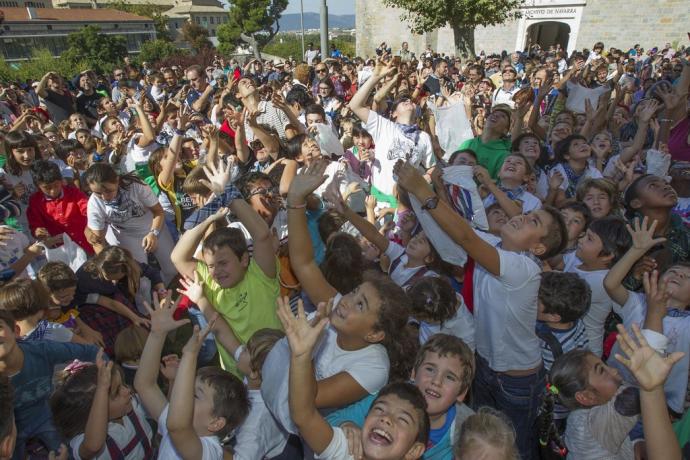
291,22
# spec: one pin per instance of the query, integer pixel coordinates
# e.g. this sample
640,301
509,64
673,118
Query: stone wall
622,23
619,23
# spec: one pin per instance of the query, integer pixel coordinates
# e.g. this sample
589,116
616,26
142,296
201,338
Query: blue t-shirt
437,435
34,383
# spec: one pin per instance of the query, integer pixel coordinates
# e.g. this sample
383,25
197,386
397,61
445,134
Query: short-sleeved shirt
392,145
489,155
128,212
259,436
87,104
400,273
505,312
247,307
269,115
210,445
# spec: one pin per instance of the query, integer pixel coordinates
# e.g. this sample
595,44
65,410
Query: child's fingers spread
622,360
638,335
673,358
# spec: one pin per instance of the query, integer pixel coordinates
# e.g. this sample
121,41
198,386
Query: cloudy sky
334,6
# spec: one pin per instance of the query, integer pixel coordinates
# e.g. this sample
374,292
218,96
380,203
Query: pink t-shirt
678,141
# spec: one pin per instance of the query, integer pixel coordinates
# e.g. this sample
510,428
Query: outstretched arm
358,103
457,228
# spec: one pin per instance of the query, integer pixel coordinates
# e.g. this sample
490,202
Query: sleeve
151,273
354,413
379,127
337,448
608,426
145,195
394,251
58,333
58,353
95,214
34,214
89,288
516,269
162,421
82,201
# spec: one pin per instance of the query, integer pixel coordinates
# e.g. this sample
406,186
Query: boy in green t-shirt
241,288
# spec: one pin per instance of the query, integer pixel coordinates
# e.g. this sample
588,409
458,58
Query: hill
290,22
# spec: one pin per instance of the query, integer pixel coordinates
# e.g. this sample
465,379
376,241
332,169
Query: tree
160,22
462,15
289,44
99,51
254,22
156,50
196,36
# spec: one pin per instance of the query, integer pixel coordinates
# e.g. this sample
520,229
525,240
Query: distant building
574,24
163,4
207,13
26,29
23,4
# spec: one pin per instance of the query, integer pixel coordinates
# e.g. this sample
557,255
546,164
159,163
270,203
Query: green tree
288,44
196,36
99,51
462,15
254,22
157,50
40,63
160,22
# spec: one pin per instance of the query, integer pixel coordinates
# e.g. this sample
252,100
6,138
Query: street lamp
324,30
301,22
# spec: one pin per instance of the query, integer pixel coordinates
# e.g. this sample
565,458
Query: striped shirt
269,117
570,339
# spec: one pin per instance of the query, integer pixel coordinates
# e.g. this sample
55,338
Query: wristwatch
155,232
430,203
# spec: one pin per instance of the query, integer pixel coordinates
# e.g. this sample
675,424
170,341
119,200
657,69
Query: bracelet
178,132
665,120
296,206
238,352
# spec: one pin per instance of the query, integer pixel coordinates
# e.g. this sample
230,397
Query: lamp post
301,23
324,30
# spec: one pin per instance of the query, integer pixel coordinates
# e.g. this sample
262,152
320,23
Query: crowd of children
309,261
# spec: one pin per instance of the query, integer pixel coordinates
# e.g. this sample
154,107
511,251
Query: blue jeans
41,428
517,397
208,348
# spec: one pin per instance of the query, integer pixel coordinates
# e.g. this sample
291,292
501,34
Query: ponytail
549,435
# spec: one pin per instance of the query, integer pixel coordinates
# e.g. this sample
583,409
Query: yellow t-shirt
247,307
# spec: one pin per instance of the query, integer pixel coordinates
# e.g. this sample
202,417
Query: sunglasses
320,70
264,191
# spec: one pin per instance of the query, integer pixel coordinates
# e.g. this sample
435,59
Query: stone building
575,24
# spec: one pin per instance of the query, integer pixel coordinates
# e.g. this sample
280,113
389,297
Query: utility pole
301,23
324,30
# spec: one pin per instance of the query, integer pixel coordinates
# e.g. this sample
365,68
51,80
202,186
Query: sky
334,6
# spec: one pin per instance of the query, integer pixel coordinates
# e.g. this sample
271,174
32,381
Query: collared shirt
271,116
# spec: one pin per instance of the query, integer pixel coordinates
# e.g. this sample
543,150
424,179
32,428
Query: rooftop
70,15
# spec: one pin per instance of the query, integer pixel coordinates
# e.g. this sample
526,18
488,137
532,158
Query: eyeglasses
324,88
264,191
321,70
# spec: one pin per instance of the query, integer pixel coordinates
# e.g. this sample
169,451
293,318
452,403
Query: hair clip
552,389
76,366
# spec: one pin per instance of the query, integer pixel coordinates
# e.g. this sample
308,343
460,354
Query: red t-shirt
66,214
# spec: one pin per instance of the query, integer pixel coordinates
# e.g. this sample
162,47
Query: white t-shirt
259,436
13,250
122,434
369,367
529,202
337,449
599,309
676,327
402,275
461,325
577,94
391,146
127,213
210,445
590,172
137,155
28,181
505,314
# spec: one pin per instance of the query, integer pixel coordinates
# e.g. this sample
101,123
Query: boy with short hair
30,366
74,155
564,298
510,191
577,218
505,285
57,208
204,406
452,361
602,245
396,427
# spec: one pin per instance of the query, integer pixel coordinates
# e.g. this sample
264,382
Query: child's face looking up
63,297
575,223
677,279
391,429
603,383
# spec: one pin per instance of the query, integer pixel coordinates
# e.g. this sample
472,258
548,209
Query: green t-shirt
247,307
489,155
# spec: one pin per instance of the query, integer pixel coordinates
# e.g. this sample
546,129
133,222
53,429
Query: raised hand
218,177
410,178
162,320
169,366
482,174
648,110
643,234
301,335
308,180
649,367
556,180
657,294
195,342
105,370
192,288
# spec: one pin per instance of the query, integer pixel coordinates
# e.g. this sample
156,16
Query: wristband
296,206
178,132
155,232
238,352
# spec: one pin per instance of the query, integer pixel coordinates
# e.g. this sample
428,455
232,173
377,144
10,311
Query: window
49,27
213,32
198,20
211,19
177,25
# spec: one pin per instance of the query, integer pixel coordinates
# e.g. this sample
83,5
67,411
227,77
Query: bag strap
544,333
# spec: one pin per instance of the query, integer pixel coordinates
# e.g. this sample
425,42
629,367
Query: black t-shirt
88,104
64,100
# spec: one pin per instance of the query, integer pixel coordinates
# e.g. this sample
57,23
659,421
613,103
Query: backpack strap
113,449
421,271
544,333
139,438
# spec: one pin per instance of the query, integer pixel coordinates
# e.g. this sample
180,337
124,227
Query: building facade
27,29
207,13
575,24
